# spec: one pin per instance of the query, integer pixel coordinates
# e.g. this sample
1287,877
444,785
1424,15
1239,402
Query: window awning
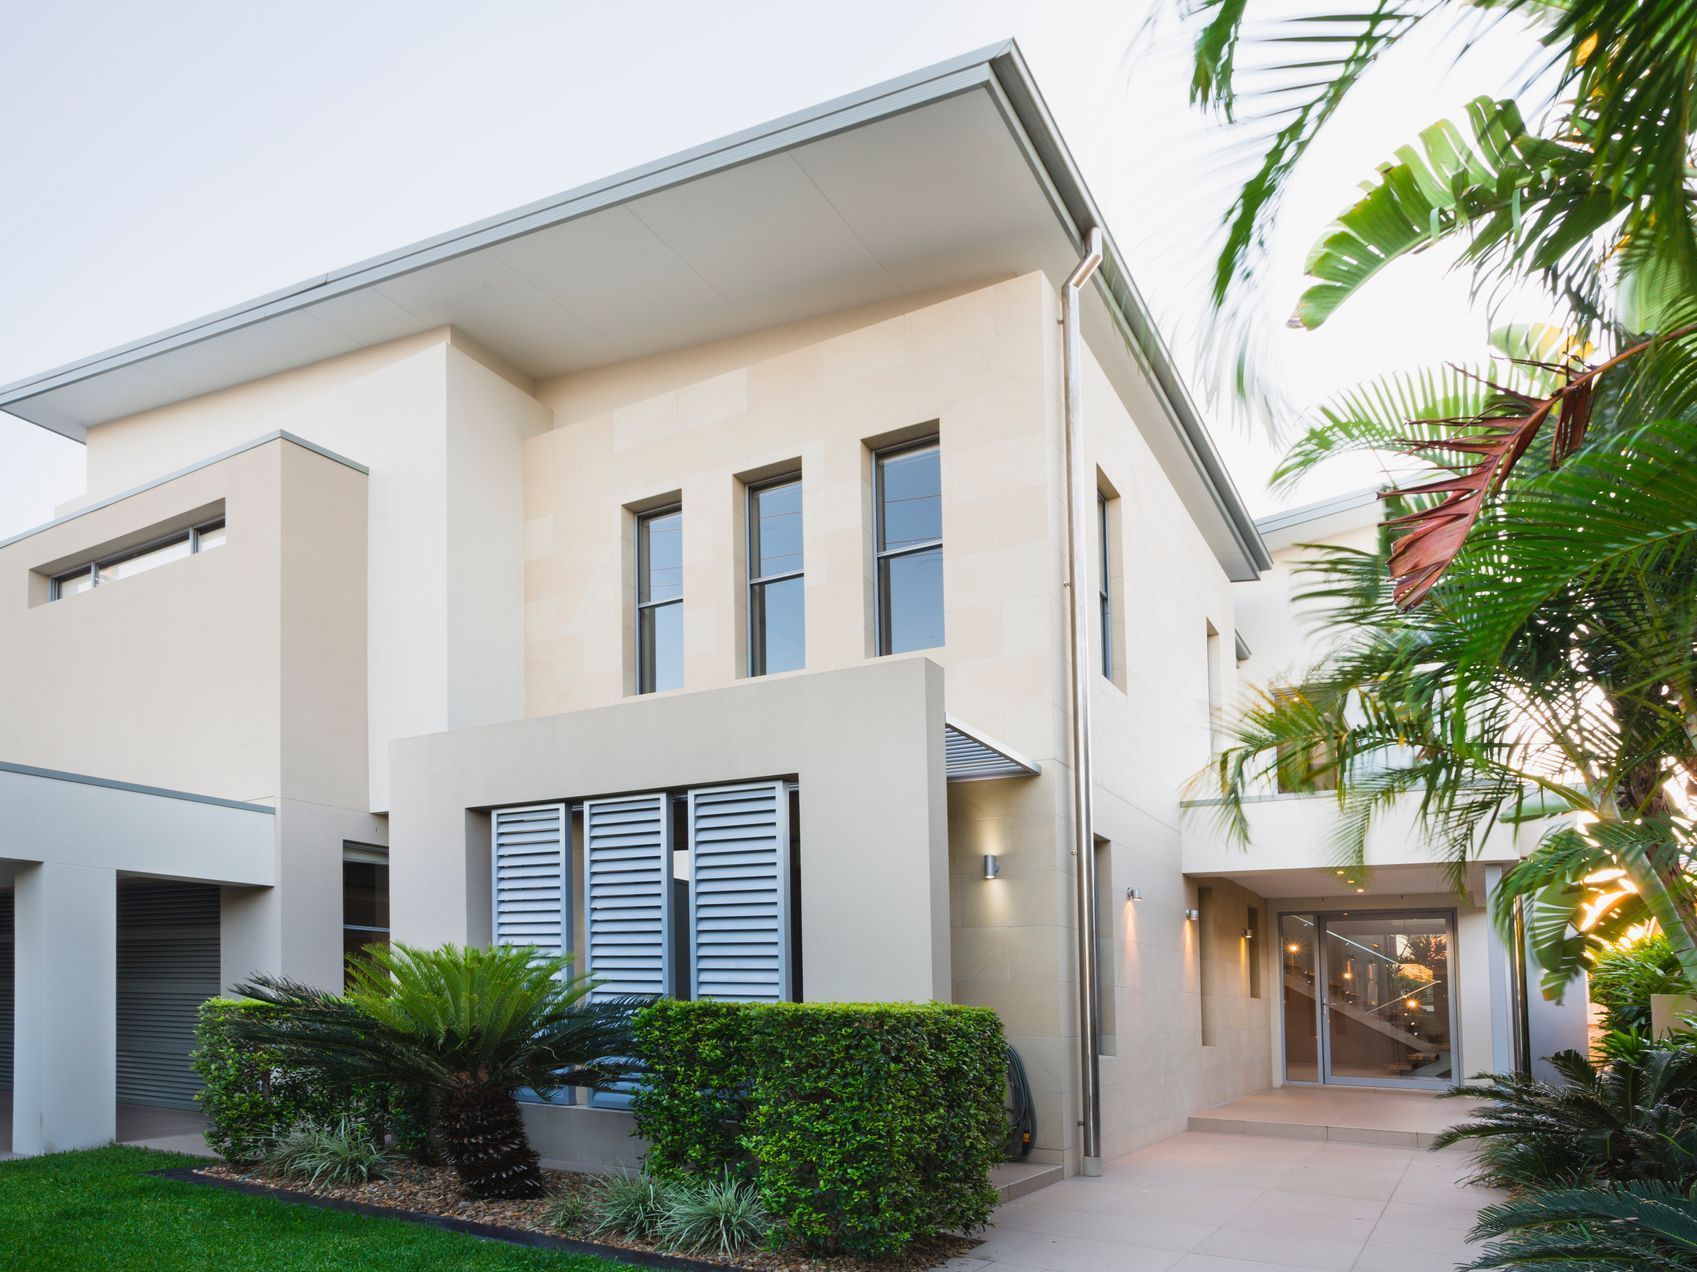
972,757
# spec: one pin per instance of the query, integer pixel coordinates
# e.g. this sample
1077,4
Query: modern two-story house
793,569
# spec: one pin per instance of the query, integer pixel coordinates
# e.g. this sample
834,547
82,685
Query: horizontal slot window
138,560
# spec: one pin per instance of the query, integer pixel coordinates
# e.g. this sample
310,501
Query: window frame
880,555
751,535
643,519
92,568
1104,584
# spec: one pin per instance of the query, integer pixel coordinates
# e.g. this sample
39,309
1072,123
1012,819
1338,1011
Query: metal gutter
1124,301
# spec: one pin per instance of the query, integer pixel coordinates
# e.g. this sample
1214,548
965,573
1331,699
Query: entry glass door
1367,998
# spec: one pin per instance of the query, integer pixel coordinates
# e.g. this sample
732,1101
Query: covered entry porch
113,895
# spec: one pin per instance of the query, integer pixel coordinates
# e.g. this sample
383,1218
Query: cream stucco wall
440,424
982,370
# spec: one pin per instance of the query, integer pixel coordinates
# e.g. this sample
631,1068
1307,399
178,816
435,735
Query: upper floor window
1104,575
909,548
659,600
776,610
138,560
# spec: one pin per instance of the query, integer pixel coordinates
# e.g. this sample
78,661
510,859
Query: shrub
569,1212
627,1205
714,1216
342,1154
1625,1226
698,1061
1610,1122
1625,977
252,1099
867,1126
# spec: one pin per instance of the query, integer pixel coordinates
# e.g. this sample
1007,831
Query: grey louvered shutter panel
531,879
627,855
8,935
168,965
739,929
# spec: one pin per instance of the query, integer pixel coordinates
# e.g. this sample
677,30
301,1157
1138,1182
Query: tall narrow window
1213,673
909,548
365,897
659,600
1104,593
776,613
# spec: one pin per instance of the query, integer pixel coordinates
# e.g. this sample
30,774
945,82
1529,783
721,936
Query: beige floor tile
1438,1195
1447,1242
1290,1223
1194,1262
1385,1259
1340,1182
1305,1203
1074,1254
1447,1218
1300,1252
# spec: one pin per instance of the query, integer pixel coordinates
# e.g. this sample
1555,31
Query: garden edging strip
487,1231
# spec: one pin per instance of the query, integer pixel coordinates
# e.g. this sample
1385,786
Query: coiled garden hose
1022,1112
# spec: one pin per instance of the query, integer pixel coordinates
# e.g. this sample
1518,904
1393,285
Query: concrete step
1020,1179
1313,1131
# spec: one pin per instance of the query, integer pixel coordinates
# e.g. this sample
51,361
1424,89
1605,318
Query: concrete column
65,1070
1501,980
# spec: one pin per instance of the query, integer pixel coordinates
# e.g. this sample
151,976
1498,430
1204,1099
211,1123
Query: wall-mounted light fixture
1249,934
992,867
1193,915
1134,894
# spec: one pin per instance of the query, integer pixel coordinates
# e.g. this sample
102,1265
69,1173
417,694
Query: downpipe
1084,836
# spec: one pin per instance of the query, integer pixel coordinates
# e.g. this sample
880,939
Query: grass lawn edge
468,1227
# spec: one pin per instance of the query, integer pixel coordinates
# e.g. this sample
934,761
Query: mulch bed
431,1194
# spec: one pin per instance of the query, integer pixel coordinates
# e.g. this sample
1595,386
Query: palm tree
468,1026
1522,643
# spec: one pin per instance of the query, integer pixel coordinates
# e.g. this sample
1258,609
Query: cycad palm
470,1027
1626,1228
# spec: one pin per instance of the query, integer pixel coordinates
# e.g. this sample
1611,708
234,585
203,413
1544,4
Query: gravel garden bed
412,1189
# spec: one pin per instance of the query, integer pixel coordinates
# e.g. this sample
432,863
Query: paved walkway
173,1130
1218,1202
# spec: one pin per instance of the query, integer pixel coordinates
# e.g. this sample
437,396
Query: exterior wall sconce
1134,894
992,867
1249,934
1193,915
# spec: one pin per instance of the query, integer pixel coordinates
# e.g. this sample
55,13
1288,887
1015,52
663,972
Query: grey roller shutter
531,885
168,964
740,892
7,964
627,846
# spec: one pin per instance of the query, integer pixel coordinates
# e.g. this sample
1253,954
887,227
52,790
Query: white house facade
718,572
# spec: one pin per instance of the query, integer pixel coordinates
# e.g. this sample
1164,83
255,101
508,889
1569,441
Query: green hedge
249,1096
866,1126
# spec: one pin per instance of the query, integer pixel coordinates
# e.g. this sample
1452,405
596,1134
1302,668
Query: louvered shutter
740,892
627,873
168,965
531,886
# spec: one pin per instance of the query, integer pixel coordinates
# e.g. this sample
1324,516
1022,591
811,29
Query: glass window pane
142,562
71,584
1298,958
212,536
660,574
1387,1004
910,497
910,601
777,627
775,530
661,646
365,894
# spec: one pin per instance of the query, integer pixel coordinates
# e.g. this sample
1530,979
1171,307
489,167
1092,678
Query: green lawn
100,1209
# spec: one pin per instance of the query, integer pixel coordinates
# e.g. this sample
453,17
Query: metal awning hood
970,756
950,177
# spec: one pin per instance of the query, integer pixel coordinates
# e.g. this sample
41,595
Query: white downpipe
1084,837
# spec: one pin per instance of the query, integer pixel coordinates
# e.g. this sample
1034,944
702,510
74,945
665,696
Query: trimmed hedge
866,1126
250,1098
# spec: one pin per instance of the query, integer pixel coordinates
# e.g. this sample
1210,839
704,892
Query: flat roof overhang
949,176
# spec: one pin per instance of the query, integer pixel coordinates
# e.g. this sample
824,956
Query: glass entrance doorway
1367,997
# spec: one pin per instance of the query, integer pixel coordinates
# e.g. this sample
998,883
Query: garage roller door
6,991
167,966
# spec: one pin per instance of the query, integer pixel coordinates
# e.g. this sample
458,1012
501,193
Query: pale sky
166,160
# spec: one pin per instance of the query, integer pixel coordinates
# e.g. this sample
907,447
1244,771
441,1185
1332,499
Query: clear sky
166,160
